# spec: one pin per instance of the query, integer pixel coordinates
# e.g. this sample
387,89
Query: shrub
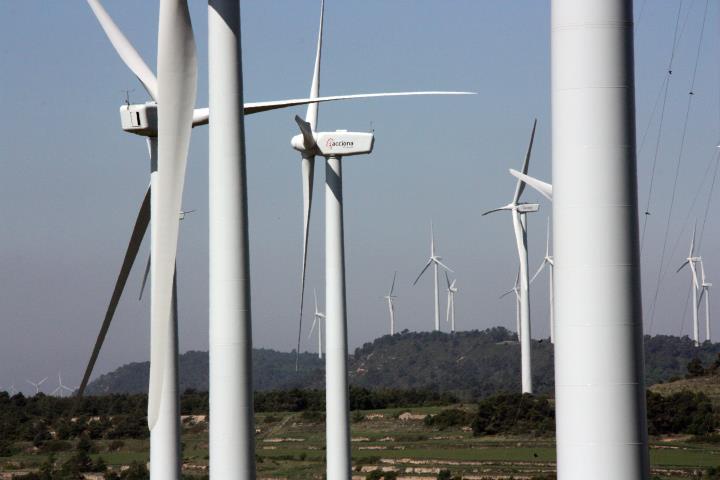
449,418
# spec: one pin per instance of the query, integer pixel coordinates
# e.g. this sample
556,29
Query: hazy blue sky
72,181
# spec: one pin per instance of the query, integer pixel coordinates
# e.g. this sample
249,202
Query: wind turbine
37,384
318,318
391,307
548,260
168,131
434,260
304,143
61,388
705,291
691,260
451,291
516,291
518,211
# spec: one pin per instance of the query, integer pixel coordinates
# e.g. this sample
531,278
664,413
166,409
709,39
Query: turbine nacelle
339,143
140,119
527,207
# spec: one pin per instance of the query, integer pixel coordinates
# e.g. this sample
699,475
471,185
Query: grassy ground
291,446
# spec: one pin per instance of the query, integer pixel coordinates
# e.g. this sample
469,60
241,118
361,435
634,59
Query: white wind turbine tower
600,416
516,291
61,388
691,260
435,261
305,145
451,291
37,384
318,318
548,260
391,306
705,291
518,211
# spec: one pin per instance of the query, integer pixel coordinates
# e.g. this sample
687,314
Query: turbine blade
307,133
177,88
542,265
500,209
521,185
312,328
547,242
694,274
256,107
692,242
312,111
444,266
138,232
447,279
308,173
702,292
124,48
201,116
423,271
682,266
392,288
506,293
145,277
544,188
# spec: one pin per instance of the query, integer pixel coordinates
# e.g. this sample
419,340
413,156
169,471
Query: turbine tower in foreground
434,260
599,386
519,211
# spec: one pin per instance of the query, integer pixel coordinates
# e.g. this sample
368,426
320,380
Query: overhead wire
691,94
664,93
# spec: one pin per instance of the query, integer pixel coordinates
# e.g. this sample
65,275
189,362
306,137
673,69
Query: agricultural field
290,445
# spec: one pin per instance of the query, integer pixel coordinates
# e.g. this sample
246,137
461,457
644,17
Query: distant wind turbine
550,262
691,260
705,291
37,384
434,260
391,307
451,291
61,388
516,291
319,317
518,211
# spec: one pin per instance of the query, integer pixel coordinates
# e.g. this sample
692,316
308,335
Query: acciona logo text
331,142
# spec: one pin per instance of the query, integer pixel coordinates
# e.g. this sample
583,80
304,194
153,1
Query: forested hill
470,364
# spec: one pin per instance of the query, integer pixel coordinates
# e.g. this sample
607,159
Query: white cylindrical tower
520,225
336,384
232,427
599,385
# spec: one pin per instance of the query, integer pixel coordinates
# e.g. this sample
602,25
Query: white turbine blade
544,188
177,88
392,288
312,328
138,233
447,279
542,265
443,265
682,266
702,272
124,48
423,271
316,302
692,243
521,185
447,310
42,381
256,107
201,116
694,273
499,209
312,111
547,242
307,165
702,292
432,240
145,277
506,293
307,133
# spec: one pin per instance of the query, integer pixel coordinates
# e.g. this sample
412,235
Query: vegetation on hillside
470,365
